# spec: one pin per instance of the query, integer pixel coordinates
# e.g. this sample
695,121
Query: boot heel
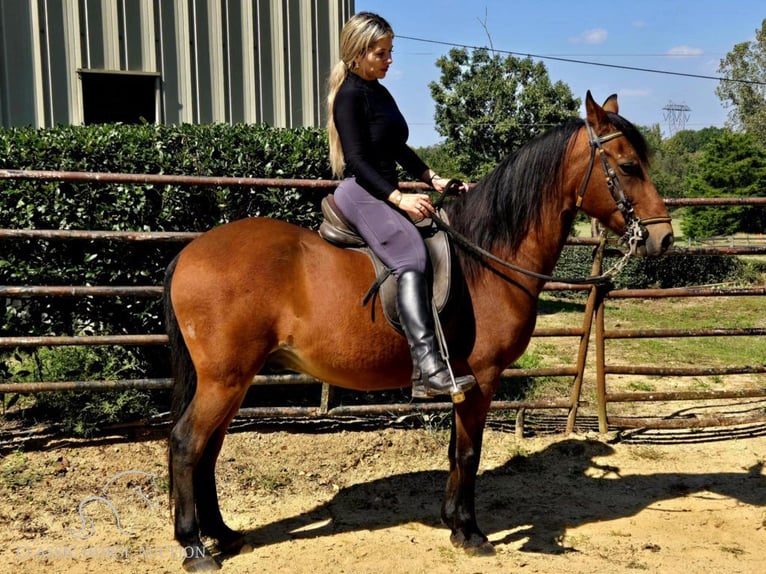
419,390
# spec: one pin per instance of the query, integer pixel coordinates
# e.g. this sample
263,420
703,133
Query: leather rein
635,227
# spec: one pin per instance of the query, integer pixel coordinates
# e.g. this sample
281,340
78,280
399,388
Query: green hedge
661,272
210,150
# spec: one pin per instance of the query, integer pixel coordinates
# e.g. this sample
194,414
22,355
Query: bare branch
486,30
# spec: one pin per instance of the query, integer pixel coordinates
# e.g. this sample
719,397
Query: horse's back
251,250
251,258
244,236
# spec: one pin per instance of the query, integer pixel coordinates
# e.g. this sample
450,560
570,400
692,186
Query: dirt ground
345,498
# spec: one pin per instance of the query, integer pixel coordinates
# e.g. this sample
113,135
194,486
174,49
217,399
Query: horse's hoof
235,547
485,549
245,549
473,545
201,564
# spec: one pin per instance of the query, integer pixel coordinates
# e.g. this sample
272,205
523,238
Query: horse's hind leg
190,444
206,494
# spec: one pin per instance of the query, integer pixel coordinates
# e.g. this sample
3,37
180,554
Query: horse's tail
184,374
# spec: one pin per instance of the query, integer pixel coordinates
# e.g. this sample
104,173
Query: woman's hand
417,205
440,184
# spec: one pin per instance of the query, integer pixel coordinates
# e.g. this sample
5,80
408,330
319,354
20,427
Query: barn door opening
126,97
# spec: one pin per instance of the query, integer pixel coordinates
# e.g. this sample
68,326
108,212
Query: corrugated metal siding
218,60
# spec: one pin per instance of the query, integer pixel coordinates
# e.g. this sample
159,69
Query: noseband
635,228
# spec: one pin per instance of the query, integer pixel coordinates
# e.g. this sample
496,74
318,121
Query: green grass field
676,313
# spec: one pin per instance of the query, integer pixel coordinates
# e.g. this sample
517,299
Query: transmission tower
676,116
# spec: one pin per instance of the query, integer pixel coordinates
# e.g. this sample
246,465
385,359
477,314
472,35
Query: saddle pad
338,231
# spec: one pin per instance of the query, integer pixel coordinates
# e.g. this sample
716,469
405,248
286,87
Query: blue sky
683,37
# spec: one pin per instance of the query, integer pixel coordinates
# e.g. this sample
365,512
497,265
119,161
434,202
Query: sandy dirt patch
344,499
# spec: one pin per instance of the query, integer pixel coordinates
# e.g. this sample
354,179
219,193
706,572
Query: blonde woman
368,137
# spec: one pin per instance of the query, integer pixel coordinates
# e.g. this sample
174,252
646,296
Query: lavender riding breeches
389,232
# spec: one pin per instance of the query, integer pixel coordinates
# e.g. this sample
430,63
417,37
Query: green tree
487,106
745,88
440,159
675,158
732,165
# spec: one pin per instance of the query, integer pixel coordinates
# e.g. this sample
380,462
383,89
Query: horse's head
616,187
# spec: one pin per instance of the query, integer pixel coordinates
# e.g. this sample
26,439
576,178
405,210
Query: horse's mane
508,202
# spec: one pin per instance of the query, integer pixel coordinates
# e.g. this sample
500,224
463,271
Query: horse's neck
540,250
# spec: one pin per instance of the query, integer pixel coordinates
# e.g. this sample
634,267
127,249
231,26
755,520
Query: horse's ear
610,104
595,113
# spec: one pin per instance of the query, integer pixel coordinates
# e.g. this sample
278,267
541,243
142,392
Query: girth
336,229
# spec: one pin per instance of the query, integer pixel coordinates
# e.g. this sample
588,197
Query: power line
587,63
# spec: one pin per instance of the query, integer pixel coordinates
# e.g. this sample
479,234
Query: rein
636,230
481,253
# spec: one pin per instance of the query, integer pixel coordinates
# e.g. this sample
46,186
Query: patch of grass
518,451
15,471
269,481
534,387
574,541
647,453
674,313
698,384
734,550
642,386
435,423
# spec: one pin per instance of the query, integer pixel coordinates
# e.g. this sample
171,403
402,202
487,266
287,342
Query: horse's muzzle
658,239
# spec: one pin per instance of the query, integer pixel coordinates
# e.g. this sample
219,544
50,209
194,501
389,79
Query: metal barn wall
215,60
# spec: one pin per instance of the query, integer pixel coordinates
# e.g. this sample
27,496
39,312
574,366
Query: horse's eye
631,168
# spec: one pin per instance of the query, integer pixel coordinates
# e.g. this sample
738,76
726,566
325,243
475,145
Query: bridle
635,227
635,233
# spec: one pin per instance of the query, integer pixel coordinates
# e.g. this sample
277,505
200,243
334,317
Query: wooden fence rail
594,315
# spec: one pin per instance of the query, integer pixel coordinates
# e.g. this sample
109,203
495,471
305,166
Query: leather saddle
336,229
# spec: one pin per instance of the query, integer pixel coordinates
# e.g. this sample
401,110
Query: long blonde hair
360,33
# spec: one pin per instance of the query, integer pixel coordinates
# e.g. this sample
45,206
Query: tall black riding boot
430,375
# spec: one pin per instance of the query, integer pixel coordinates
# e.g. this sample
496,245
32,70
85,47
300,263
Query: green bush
661,272
210,150
732,165
82,413
213,150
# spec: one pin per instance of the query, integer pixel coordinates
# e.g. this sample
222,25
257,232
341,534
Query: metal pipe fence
594,314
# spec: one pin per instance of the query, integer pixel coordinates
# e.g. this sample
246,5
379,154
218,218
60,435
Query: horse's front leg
458,509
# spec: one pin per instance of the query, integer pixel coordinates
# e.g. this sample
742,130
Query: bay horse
261,291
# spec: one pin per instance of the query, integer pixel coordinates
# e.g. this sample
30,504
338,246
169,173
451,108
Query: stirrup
460,385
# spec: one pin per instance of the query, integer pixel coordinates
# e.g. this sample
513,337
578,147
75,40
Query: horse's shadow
520,498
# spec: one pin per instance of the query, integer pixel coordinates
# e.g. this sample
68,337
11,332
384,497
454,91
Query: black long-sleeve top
373,134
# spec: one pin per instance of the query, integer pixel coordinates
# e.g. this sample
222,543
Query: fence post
603,425
582,353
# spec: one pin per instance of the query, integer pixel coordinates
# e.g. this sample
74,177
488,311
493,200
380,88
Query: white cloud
597,36
684,50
